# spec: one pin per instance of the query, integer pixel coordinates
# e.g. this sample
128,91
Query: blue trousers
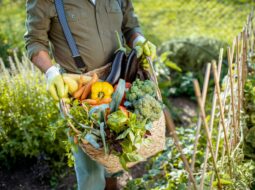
90,175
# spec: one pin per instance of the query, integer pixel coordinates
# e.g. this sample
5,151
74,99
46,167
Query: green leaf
164,56
92,139
102,132
222,182
117,96
149,126
173,66
99,111
123,162
133,157
117,121
124,134
132,137
127,146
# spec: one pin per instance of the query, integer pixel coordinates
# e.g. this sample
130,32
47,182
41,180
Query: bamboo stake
238,83
214,101
244,66
241,66
199,123
203,115
216,79
230,69
171,127
225,95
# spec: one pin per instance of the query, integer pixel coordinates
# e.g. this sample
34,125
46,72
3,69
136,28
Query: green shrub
186,60
26,115
12,19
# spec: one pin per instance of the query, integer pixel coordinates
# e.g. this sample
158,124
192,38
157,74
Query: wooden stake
219,133
171,128
203,115
244,65
238,83
216,79
199,123
230,69
211,122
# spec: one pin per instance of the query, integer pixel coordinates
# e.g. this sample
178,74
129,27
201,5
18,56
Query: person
93,24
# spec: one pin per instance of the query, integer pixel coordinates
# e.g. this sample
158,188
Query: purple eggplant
117,63
130,68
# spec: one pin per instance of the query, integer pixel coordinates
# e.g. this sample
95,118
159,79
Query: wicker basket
111,162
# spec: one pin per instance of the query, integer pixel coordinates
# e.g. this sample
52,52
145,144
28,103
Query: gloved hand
55,83
144,49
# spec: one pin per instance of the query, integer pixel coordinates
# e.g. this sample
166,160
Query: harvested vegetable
148,108
130,68
88,86
100,90
119,58
79,92
98,101
139,89
77,77
118,96
71,83
117,121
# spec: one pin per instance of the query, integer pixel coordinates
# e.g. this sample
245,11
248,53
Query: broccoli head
139,89
148,107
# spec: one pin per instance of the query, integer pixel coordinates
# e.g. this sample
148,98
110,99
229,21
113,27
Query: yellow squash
100,90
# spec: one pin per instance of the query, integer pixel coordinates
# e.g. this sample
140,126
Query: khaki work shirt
93,28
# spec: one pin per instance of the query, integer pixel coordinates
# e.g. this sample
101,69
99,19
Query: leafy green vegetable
124,134
92,139
117,121
118,95
132,139
80,115
102,132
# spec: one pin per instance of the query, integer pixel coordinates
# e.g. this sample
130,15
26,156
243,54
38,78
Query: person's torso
93,28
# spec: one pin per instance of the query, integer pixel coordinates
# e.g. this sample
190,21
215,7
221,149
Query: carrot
79,92
104,101
80,83
88,86
91,101
98,102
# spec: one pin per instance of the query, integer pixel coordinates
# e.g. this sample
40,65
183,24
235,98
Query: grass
163,20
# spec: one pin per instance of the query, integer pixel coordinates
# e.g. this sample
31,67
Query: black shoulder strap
68,35
120,4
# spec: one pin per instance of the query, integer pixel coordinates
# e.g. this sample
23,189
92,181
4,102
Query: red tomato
128,85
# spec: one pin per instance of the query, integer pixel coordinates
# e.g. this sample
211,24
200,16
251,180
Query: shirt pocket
115,14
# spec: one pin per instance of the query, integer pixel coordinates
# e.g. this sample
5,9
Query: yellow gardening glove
144,49
55,84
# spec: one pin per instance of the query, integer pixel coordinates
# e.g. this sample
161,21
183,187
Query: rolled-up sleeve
130,24
37,27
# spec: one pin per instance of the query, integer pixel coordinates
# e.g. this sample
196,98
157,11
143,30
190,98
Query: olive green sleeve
37,27
130,24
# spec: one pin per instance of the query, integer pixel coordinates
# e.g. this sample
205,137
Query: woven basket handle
152,75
